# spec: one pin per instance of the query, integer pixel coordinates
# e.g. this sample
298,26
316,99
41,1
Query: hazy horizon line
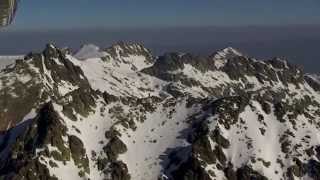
129,28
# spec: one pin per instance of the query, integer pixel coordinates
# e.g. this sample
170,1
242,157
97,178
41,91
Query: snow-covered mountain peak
51,51
120,117
221,57
123,49
89,51
50,46
227,53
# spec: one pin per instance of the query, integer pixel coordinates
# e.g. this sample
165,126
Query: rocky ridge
122,114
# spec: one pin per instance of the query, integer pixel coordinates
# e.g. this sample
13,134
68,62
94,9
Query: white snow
217,79
267,147
89,51
67,170
7,60
32,114
149,142
315,77
164,128
119,80
66,87
227,53
91,131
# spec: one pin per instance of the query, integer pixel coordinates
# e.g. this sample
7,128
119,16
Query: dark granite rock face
61,68
164,64
219,139
202,152
237,67
229,109
313,169
291,74
44,74
79,153
123,49
171,67
119,171
170,62
15,100
45,129
30,170
191,170
246,173
109,98
83,102
268,71
312,82
209,112
114,148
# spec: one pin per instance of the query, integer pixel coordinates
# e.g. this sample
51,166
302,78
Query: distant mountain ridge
121,113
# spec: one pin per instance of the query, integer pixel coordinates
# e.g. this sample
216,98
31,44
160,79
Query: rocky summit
121,113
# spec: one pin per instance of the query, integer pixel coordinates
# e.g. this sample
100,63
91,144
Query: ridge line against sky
297,44
263,29
186,27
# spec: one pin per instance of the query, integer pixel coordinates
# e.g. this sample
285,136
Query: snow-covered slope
315,77
7,60
89,51
120,113
313,80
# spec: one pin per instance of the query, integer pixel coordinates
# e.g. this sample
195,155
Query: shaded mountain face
120,113
313,80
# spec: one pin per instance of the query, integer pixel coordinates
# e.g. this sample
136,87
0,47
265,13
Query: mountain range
121,113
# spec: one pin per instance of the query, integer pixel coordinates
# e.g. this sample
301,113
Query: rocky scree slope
120,113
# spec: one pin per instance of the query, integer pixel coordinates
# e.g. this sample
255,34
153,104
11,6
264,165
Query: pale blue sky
38,14
261,28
